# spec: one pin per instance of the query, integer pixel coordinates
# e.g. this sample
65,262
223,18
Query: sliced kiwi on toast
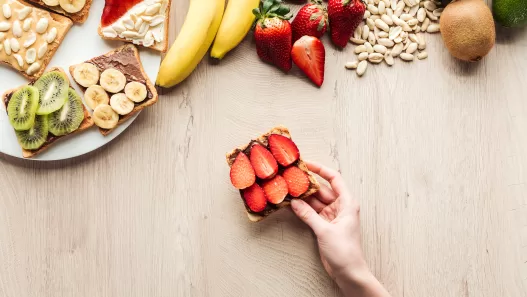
36,136
53,92
22,108
69,117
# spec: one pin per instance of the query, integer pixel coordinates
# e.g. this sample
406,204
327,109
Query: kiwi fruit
36,136
53,92
468,30
22,108
69,117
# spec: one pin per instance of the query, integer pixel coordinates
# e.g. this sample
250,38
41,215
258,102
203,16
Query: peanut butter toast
269,173
50,139
76,10
29,37
115,87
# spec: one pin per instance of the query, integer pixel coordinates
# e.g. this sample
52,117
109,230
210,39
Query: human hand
333,215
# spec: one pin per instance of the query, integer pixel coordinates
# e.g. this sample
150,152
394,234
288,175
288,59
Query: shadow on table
509,35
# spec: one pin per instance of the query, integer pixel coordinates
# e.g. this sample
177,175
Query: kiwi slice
36,136
69,117
22,108
53,92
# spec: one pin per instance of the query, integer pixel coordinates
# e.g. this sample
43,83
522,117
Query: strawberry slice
284,149
255,198
297,181
275,189
263,162
242,172
309,55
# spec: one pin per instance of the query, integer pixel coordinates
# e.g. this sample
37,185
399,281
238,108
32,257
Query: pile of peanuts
393,28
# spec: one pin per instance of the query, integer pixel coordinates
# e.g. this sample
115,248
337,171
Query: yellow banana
198,31
236,23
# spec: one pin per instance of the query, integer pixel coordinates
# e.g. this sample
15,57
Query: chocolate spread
125,61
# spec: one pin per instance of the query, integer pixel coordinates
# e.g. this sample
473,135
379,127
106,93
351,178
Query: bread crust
150,86
263,140
160,47
85,124
78,17
52,47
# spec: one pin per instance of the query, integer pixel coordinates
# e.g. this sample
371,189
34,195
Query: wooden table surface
435,151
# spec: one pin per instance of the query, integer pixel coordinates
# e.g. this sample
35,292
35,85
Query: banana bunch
202,24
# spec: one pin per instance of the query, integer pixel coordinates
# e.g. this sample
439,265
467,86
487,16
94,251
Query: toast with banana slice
29,37
115,87
76,10
141,22
269,173
83,124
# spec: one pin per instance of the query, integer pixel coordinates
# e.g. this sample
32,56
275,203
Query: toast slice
85,124
125,59
24,36
136,24
314,186
78,17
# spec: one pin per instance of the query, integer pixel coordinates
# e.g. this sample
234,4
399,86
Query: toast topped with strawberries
269,173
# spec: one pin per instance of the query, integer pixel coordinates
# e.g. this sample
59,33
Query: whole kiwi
468,31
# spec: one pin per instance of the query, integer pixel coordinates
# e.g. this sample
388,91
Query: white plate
81,43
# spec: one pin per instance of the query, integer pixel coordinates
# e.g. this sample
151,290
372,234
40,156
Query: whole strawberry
311,20
272,33
344,17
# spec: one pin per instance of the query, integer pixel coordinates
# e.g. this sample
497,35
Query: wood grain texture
435,151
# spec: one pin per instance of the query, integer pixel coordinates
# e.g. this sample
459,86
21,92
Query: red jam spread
115,9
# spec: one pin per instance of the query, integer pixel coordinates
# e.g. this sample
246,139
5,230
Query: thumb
308,215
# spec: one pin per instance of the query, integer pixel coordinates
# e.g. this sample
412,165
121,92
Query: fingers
332,176
325,195
315,203
308,215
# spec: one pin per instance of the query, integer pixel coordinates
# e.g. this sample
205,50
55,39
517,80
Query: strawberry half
309,55
242,172
275,189
255,198
297,181
283,149
263,162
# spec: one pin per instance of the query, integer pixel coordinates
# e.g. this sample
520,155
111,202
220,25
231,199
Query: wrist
353,273
359,281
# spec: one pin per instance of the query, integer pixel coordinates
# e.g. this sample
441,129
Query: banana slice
51,2
113,80
86,75
72,6
95,96
104,117
121,104
135,91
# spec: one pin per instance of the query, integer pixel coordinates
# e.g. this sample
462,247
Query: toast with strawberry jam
269,173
